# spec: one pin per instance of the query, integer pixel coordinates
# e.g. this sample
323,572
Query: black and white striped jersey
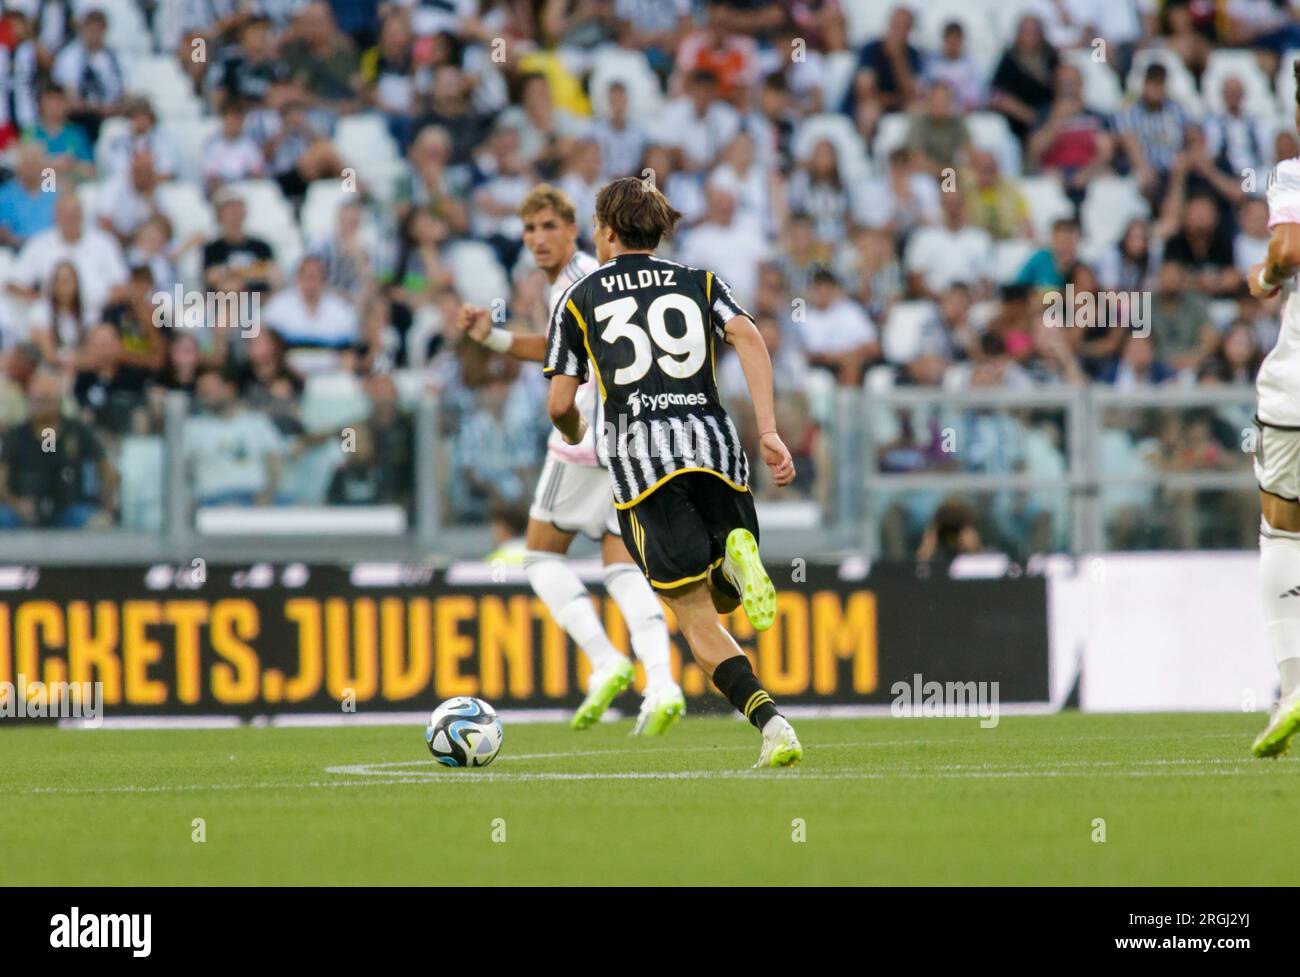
650,327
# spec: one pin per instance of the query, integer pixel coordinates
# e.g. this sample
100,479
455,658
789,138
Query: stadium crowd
889,188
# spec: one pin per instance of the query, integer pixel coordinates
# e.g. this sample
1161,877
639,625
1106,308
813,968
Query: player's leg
677,547
570,604
718,654
663,703
1277,465
741,578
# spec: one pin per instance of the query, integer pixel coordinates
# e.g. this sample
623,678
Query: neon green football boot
1283,723
659,710
781,747
603,687
744,568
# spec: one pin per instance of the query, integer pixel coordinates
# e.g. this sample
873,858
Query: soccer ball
464,732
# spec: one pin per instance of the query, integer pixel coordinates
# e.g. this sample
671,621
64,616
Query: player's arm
562,406
1281,262
757,367
476,322
565,365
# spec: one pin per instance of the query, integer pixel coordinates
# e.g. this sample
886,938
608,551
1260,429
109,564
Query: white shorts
1277,466
575,499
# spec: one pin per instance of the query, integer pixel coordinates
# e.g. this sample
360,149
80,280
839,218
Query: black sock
736,680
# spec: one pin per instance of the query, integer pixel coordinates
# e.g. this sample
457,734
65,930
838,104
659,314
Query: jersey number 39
682,355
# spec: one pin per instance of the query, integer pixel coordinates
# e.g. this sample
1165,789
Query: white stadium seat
1047,202
990,131
1181,84
186,208
849,150
1101,88
631,68
900,340
364,137
478,275
1224,64
1111,202
1009,257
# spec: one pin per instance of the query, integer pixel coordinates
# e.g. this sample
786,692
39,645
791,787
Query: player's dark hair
636,211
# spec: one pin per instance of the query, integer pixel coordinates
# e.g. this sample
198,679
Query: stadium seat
1101,88
1182,85
320,208
141,494
840,67
87,194
184,205
364,137
989,130
1111,202
850,152
890,134
983,39
160,79
1224,64
900,340
864,22
332,401
1047,202
127,32
479,276
1009,257
645,98
425,325
110,131
189,136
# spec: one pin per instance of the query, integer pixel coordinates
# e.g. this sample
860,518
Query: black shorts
678,533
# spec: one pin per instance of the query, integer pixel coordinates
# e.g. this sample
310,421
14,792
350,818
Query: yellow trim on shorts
671,475
685,580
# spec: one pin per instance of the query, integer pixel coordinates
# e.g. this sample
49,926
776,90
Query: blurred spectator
233,455
96,255
698,122
1048,266
129,199
142,136
1072,141
91,73
954,67
950,533
938,132
317,325
229,155
1151,132
836,334
26,201
731,246
54,472
996,204
1022,83
953,251
888,67
345,255
1180,320
1138,366
1251,243
108,391
322,59
236,261
1204,247
58,320
65,142
718,52
818,190
1240,140
622,140
901,200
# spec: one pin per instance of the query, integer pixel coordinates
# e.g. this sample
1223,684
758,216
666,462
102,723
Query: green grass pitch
897,801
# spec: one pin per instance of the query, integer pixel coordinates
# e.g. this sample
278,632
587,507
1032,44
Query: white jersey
588,399
1278,385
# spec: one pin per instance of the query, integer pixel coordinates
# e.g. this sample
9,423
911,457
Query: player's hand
582,432
777,457
474,321
1256,289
